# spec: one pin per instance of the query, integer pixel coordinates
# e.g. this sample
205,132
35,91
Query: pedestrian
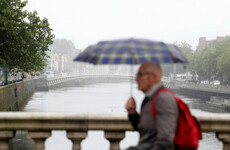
155,134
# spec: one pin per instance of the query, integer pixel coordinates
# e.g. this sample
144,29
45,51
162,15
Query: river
102,98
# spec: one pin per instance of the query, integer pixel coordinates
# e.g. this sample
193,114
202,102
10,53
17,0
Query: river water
102,98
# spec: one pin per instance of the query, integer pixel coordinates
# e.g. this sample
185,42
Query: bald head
148,75
153,68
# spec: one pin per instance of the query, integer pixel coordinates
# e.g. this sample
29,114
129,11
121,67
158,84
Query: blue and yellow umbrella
131,51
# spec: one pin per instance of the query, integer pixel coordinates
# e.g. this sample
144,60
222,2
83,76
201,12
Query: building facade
203,43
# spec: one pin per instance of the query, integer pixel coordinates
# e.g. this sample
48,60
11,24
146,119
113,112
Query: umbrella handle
131,81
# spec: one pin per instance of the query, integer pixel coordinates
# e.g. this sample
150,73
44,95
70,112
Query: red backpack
188,131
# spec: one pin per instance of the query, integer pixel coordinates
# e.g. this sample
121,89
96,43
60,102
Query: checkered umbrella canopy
131,51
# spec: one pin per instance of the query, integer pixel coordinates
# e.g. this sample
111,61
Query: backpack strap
155,97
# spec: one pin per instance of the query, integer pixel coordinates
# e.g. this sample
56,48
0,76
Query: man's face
143,80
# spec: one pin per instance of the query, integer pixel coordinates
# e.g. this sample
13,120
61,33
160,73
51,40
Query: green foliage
213,62
205,63
24,37
223,62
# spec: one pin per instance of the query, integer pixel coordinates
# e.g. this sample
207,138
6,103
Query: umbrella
131,51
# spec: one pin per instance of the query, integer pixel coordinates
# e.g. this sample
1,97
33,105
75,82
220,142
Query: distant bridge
99,77
44,84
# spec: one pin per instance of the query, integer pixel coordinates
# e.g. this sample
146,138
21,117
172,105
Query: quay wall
15,96
202,92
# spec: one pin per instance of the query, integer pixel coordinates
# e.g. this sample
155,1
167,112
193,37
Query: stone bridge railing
40,124
60,80
44,84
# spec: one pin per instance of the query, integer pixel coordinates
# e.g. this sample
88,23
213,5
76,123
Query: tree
223,59
24,37
205,63
198,64
213,61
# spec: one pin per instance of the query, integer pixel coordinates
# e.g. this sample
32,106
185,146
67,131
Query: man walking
155,134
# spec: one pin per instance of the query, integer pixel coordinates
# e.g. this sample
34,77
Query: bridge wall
81,81
14,96
40,124
86,81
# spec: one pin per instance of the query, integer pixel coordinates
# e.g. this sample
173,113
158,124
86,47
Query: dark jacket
156,134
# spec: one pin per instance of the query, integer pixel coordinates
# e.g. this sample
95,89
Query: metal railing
40,124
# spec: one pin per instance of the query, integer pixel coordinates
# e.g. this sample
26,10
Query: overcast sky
86,22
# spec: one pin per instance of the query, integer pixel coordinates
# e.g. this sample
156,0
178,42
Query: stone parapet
40,124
